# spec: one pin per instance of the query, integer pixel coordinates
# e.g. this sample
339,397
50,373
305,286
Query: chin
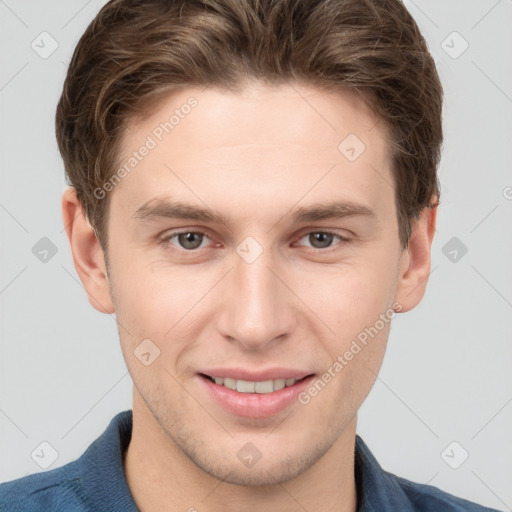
265,475
277,468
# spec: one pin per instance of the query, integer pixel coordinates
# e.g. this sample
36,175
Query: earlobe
415,262
87,253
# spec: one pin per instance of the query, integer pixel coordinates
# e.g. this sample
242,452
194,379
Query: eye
188,240
322,239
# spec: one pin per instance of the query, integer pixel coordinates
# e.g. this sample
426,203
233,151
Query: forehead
278,143
258,114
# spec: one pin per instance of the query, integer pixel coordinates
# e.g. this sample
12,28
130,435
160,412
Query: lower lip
255,405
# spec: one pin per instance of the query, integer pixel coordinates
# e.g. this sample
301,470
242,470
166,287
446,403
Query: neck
161,477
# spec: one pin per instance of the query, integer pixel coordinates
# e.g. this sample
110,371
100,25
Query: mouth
254,398
246,386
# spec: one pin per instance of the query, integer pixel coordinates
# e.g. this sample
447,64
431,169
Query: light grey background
446,376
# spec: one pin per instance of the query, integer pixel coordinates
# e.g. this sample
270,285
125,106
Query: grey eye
190,240
320,240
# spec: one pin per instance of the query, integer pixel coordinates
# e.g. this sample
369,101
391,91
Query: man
253,190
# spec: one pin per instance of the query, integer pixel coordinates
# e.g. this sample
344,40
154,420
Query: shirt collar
377,490
102,474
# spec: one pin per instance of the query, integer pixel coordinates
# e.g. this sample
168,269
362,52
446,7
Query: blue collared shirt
96,482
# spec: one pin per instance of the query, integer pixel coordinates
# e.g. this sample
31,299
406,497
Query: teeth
262,387
280,383
230,383
266,386
245,386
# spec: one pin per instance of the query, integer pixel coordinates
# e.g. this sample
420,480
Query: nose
257,309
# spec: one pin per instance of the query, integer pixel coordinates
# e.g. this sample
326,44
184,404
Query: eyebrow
158,208
332,210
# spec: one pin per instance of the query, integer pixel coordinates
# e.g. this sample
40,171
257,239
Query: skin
255,157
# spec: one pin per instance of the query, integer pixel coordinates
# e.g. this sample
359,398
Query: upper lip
256,375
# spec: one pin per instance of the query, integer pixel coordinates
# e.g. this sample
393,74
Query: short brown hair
136,50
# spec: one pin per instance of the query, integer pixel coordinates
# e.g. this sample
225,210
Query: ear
87,253
415,260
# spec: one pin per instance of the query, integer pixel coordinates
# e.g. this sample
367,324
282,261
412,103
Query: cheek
348,298
155,312
160,303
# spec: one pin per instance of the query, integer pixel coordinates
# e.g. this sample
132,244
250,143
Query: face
246,244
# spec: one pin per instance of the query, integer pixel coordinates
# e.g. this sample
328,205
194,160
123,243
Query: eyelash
166,240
